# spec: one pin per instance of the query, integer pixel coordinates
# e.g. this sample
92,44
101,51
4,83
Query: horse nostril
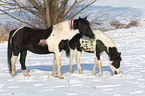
115,72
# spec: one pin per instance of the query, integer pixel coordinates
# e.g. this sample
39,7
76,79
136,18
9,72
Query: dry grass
3,36
119,25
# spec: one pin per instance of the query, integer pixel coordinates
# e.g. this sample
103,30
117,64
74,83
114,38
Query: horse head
83,25
115,59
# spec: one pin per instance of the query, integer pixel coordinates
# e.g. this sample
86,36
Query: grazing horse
101,43
44,41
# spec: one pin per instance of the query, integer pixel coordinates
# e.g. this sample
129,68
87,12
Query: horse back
104,38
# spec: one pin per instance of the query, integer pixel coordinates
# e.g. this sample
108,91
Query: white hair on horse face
115,70
61,31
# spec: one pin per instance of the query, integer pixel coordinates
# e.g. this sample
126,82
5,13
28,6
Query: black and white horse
44,41
101,43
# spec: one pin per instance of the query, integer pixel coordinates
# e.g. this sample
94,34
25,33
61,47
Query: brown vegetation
119,25
3,34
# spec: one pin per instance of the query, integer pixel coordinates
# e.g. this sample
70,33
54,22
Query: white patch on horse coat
42,42
13,61
61,31
14,34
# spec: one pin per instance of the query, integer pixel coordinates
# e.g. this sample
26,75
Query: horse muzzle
117,71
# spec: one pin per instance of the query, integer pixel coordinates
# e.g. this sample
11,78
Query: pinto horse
44,41
101,43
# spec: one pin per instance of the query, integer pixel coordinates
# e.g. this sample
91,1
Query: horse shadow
65,68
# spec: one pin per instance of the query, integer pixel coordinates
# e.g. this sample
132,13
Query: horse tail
9,50
67,50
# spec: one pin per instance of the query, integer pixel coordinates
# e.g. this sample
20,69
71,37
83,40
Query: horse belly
38,49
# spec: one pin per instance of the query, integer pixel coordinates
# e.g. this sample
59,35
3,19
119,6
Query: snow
130,82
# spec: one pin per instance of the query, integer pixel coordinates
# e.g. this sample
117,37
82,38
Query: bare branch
71,8
82,9
60,11
17,18
43,12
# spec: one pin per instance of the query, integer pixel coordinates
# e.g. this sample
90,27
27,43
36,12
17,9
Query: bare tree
43,13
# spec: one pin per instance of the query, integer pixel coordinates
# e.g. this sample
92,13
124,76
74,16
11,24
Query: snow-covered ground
130,42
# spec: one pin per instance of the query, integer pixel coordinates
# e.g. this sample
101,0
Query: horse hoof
27,75
13,75
81,72
61,77
93,74
70,71
100,75
54,75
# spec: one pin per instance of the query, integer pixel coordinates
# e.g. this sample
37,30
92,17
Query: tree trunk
48,20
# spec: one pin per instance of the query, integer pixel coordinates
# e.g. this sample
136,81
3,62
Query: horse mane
62,26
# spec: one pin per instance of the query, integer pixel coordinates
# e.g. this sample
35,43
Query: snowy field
130,42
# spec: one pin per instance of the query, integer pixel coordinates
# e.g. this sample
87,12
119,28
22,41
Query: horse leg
95,66
100,69
54,66
70,60
78,55
13,61
58,60
22,61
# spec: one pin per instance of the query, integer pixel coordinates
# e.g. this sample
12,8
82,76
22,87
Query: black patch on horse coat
115,56
63,45
75,42
100,47
28,41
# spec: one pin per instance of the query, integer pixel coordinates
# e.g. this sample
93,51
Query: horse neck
65,25
64,29
112,53
106,40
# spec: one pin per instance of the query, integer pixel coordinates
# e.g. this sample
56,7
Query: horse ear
85,17
119,53
79,17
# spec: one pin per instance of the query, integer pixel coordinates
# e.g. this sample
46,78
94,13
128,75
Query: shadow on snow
65,68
